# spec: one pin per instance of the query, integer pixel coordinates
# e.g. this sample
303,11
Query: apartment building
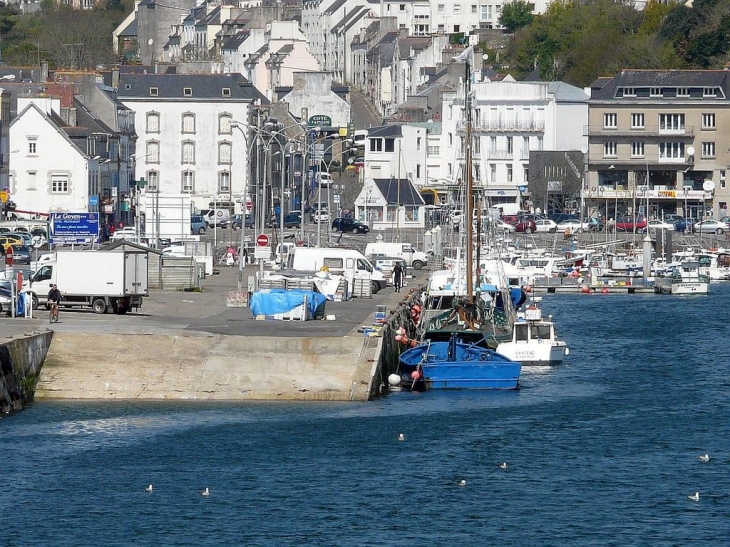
659,137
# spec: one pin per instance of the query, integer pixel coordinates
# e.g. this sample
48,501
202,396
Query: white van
348,262
217,217
415,259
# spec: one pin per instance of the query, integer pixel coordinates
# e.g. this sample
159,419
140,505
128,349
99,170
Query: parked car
681,224
324,179
710,226
236,221
197,224
562,217
321,215
349,225
292,221
629,224
526,225
22,254
6,240
573,226
546,225
658,225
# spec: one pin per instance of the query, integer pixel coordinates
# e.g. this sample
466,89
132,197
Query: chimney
44,71
115,77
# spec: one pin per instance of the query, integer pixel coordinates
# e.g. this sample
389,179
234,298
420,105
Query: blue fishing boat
457,360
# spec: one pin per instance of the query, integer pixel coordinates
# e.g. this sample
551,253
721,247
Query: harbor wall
21,359
207,367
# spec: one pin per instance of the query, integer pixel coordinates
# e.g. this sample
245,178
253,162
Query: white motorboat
685,279
534,340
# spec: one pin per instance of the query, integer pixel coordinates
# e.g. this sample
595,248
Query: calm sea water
600,451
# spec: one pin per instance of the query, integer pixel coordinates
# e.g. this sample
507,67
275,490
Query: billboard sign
74,227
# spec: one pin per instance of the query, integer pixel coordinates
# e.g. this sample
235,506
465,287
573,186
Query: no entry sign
262,240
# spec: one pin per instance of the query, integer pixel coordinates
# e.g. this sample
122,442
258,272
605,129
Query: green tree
516,15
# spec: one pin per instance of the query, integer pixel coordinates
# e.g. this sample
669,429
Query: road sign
262,240
93,200
74,227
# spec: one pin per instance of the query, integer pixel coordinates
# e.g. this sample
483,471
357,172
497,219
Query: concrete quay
188,345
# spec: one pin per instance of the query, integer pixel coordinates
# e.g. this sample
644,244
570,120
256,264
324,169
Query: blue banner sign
74,227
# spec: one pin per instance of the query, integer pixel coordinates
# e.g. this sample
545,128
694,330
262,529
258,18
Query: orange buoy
585,289
604,290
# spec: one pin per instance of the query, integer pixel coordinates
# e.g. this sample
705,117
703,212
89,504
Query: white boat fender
567,350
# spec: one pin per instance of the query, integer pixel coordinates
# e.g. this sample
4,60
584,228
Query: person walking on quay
398,277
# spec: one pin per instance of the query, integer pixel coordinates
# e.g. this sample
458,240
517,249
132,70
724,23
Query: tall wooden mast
469,213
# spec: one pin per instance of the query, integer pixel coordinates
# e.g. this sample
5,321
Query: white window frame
671,150
609,149
610,120
224,124
224,182
187,152
708,149
153,181
187,181
708,120
637,149
60,183
152,150
671,122
638,120
225,153
32,146
188,123
152,122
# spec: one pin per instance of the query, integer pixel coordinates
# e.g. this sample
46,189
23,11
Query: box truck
102,280
348,262
415,259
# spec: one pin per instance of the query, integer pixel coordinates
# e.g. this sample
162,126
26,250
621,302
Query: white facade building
509,119
48,172
186,142
397,151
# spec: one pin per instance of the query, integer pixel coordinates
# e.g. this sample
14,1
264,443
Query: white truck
104,280
415,259
348,262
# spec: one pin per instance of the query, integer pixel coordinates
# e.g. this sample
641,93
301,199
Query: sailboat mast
469,186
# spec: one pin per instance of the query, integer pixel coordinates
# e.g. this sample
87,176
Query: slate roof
392,130
334,7
131,29
351,18
393,188
204,87
605,88
566,93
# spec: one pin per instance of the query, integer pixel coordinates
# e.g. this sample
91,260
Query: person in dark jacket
398,277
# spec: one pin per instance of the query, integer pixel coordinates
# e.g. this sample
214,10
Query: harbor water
602,450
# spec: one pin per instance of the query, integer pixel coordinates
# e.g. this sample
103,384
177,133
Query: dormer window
709,92
226,92
629,92
154,92
188,91
682,92
655,92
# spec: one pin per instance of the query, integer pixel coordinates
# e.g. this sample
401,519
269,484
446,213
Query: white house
48,171
509,119
398,151
186,141
390,203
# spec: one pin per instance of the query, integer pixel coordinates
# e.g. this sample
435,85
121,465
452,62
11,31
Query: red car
629,224
526,225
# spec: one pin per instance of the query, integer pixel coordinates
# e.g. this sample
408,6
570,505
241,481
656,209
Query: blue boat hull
455,364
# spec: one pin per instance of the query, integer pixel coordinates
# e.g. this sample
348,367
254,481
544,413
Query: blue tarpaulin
273,301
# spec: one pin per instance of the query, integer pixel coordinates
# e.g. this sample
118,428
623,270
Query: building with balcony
510,119
656,137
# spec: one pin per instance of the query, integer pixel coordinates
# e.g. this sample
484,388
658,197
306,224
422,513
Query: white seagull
205,492
704,458
503,465
148,489
462,482
401,437
696,497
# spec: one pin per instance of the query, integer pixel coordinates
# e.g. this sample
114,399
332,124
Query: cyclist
54,297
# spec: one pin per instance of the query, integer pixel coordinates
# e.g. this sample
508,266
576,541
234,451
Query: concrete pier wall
206,367
21,359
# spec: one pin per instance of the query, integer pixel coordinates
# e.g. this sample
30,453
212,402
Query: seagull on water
704,458
462,482
696,497
401,437
148,489
502,465
205,492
